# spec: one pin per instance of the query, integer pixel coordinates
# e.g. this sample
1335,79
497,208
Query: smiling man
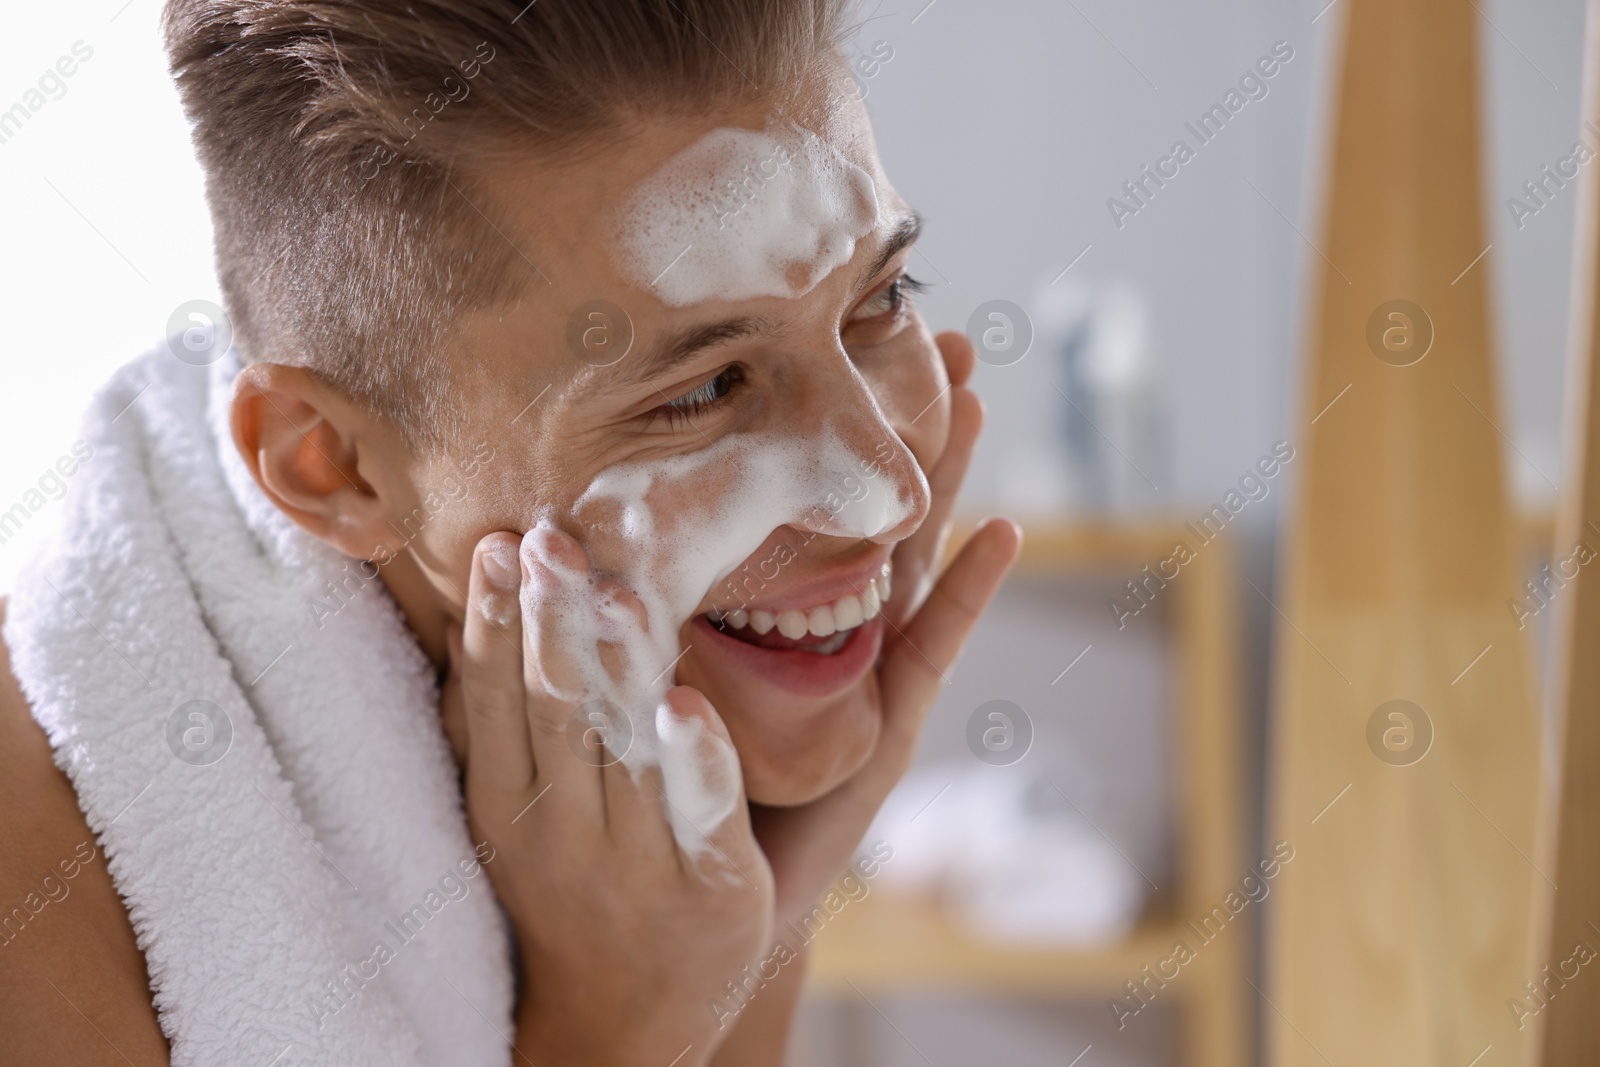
587,329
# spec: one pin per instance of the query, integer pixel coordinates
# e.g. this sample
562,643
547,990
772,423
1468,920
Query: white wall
105,228
1533,72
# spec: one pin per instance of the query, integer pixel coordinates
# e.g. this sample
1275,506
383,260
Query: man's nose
875,488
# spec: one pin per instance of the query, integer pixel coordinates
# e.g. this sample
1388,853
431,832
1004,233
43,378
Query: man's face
713,378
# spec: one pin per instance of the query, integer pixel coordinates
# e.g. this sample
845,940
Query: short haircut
335,137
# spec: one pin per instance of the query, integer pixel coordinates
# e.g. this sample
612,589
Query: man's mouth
822,629
816,638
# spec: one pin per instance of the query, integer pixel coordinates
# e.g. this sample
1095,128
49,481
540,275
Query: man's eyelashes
701,398
890,301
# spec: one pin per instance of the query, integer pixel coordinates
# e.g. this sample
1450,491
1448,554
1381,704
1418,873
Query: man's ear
306,445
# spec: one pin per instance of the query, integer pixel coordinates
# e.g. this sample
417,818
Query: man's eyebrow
679,347
904,235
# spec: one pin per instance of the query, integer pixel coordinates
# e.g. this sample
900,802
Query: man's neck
420,602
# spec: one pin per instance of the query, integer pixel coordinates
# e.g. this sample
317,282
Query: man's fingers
959,356
918,659
635,816
918,557
490,671
702,790
966,423
567,727
557,610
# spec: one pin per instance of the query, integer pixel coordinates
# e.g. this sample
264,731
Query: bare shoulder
73,986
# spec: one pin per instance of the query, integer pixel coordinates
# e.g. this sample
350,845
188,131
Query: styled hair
337,137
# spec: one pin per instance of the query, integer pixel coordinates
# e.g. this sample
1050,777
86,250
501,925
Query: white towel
333,821
1015,858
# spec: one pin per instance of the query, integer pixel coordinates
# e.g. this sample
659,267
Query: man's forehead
567,219
563,203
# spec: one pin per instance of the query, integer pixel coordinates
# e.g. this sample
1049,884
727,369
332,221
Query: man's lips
791,664
814,637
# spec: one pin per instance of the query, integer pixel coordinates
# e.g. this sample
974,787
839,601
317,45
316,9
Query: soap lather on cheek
742,214
669,530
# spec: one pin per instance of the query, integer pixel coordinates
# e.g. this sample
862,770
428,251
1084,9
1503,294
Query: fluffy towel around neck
311,896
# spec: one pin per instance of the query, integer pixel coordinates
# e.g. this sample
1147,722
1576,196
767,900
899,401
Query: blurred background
1144,360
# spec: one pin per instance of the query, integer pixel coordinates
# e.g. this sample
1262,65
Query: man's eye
891,300
701,398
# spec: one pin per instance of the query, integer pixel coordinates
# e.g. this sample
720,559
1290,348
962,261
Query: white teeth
871,601
821,622
793,624
824,620
832,644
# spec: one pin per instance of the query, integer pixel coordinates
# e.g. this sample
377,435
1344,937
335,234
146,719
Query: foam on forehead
742,214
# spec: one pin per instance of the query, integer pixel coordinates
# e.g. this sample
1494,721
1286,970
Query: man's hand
626,938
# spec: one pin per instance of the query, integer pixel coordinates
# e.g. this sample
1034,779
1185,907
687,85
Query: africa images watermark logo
50,85
1139,190
51,485
452,90
852,887
452,886
355,577
1251,889
1254,486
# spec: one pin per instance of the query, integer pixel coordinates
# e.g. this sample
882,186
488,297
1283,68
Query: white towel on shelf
1010,855
261,883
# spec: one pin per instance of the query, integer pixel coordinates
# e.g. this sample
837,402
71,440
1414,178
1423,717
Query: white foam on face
742,214
699,775
669,530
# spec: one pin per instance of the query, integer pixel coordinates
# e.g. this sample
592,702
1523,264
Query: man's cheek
621,536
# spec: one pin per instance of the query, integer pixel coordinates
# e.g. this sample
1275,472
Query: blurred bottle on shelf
1111,414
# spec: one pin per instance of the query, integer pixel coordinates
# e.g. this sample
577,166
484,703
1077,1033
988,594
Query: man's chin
792,749
787,779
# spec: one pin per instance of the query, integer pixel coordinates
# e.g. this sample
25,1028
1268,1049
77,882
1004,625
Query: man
586,464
